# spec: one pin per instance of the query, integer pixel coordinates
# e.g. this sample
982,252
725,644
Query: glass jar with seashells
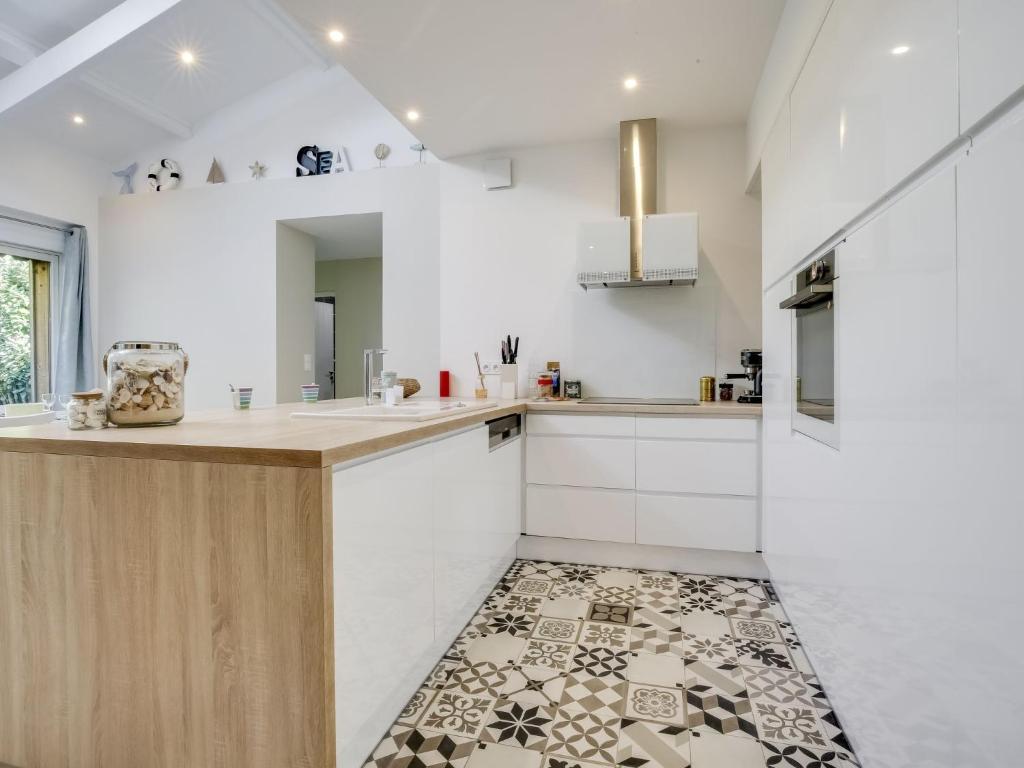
145,383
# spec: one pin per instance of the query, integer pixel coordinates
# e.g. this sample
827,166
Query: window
26,303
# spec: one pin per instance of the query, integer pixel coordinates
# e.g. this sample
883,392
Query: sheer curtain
74,365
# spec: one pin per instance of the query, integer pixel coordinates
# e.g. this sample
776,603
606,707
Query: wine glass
64,400
47,399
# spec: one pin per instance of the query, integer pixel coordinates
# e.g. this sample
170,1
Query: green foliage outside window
15,330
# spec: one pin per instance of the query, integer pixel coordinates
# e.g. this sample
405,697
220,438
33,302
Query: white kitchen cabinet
476,522
705,522
876,98
597,514
591,462
777,254
582,425
672,480
695,466
384,569
420,536
991,62
682,428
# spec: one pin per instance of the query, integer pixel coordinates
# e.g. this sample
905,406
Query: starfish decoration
258,170
126,176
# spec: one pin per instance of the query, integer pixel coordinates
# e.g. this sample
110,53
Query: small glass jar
86,410
544,384
145,383
725,392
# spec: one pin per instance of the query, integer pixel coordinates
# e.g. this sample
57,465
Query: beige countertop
270,436
701,410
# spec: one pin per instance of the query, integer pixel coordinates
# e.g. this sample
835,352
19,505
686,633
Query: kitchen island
167,594
246,588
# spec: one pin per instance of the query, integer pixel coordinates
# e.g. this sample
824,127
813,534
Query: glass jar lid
166,346
86,395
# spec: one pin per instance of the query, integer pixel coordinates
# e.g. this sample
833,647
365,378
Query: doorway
337,263
324,344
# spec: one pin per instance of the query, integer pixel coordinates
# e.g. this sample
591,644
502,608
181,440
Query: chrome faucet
368,355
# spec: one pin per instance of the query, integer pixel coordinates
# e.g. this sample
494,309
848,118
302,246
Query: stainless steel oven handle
808,297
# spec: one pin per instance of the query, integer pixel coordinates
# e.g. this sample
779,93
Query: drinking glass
47,399
63,400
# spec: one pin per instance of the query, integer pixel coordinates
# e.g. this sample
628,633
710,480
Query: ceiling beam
16,48
293,32
70,54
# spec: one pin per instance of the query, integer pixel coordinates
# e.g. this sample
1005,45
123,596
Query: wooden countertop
271,437
730,410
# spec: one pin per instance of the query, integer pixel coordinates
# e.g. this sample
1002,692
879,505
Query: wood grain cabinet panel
163,613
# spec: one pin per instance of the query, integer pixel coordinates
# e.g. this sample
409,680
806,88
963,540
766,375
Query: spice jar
725,392
86,410
544,384
145,383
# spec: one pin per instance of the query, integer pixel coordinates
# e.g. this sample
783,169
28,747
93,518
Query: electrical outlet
491,368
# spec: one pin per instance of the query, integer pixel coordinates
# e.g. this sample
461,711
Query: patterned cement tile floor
575,666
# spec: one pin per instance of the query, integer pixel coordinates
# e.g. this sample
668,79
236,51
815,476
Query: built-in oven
814,346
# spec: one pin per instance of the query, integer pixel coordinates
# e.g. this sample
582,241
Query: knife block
509,381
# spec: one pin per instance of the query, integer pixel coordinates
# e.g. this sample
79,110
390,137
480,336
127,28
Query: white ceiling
483,74
50,21
355,236
136,93
488,75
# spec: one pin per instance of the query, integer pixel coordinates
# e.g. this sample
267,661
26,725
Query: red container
446,384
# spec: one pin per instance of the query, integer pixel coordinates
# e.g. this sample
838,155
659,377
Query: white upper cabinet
776,241
875,99
991,55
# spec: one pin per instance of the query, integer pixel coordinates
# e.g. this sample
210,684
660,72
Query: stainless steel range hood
638,184
641,248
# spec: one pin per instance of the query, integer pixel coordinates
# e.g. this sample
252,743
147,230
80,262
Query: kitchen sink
420,410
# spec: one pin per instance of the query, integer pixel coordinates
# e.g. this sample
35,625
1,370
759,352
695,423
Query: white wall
42,180
328,108
794,36
508,266
199,266
296,257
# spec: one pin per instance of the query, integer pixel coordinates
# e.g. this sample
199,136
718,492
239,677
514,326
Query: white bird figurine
126,176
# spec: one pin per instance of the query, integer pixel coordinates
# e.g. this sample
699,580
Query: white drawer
586,425
581,513
693,466
592,462
703,522
696,428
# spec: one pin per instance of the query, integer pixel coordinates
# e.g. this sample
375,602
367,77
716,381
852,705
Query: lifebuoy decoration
157,180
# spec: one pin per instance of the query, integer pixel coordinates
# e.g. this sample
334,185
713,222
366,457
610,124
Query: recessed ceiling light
899,50
78,120
187,57
336,36
629,83
412,115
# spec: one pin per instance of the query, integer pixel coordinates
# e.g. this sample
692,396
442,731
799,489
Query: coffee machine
750,359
